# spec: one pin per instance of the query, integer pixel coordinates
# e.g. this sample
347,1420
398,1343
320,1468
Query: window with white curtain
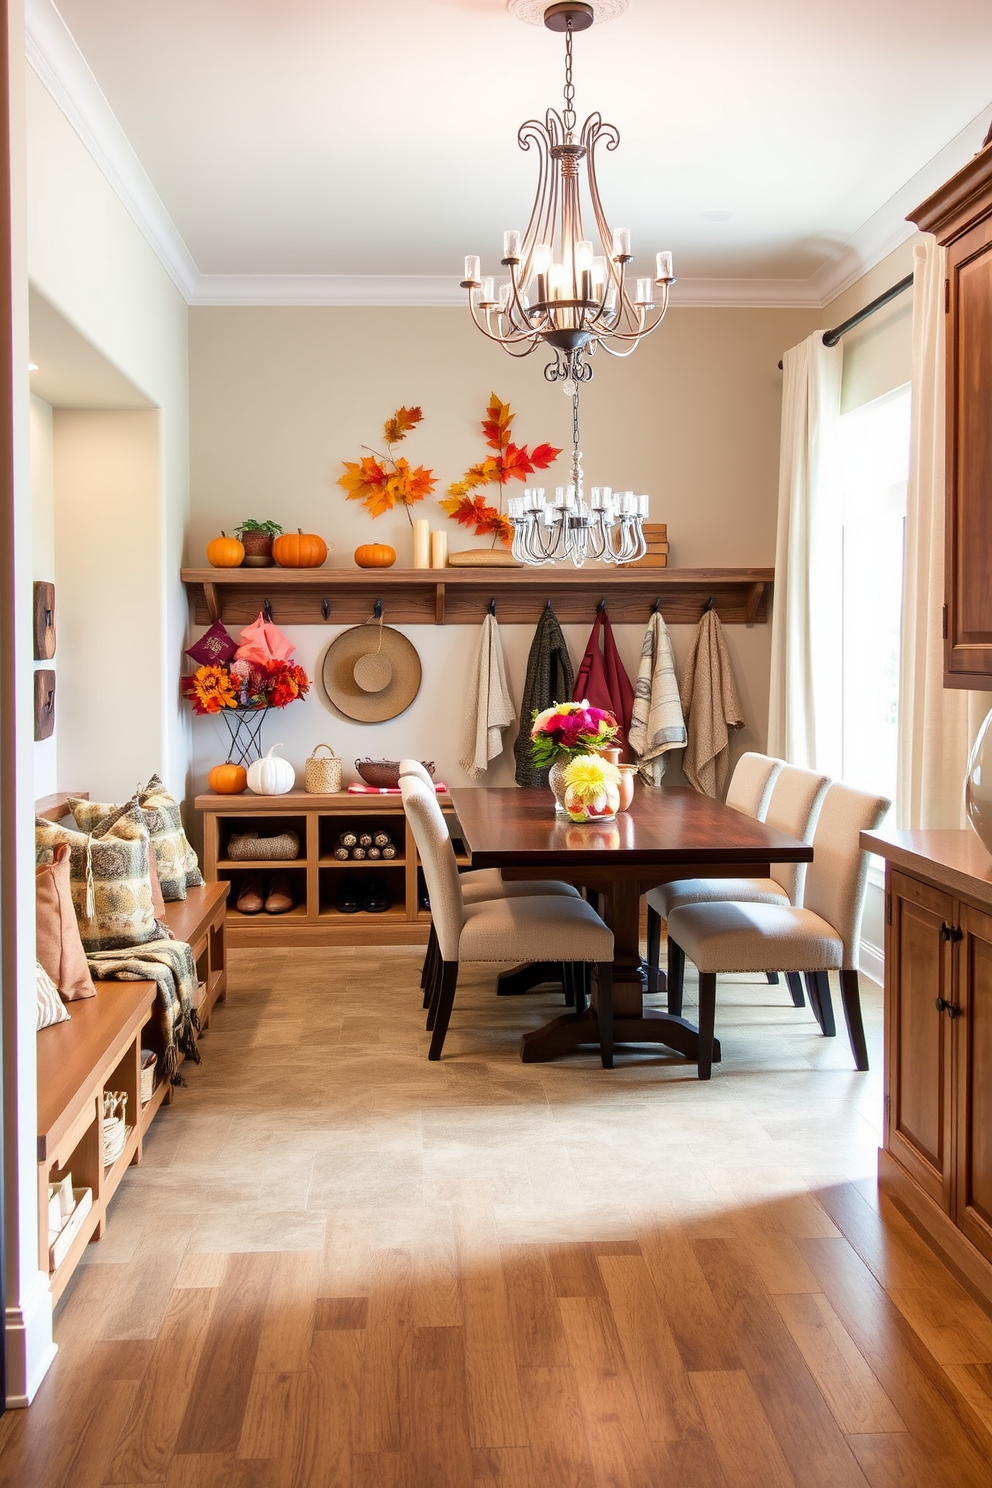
874,472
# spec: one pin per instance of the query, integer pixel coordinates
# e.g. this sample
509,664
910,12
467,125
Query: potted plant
256,539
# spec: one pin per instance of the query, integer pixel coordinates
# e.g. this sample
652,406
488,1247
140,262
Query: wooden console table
937,1157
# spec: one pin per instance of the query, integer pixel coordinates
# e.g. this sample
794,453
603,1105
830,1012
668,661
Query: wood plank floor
340,1266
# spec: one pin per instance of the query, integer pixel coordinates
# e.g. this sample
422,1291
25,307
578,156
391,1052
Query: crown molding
61,66
418,290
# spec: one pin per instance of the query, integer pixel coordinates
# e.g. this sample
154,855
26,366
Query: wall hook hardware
325,608
492,607
267,610
708,605
656,607
600,608
378,609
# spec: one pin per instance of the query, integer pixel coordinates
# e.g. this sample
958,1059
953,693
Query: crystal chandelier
561,292
609,529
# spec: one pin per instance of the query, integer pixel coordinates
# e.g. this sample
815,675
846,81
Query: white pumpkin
271,775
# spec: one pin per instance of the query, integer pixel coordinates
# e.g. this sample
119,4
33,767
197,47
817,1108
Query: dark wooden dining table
668,832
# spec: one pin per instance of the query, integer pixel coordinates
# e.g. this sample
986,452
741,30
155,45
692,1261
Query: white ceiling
317,149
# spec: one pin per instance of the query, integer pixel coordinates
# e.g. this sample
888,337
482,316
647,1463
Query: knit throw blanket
550,679
170,965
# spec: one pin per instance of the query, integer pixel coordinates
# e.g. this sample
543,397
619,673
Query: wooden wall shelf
461,596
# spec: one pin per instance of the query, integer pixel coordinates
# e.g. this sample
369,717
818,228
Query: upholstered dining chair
816,938
793,806
479,884
750,788
530,927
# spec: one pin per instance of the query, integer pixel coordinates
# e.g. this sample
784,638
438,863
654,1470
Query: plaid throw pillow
51,1008
178,867
111,889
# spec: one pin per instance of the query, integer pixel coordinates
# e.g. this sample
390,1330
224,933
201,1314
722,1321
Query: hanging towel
549,680
656,724
602,679
490,708
711,706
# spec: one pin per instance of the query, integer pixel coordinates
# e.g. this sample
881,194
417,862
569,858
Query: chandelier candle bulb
422,542
511,245
644,506
645,293
473,268
621,242
486,299
665,268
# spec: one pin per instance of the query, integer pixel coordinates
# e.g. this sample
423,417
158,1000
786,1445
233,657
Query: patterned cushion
111,888
178,867
51,1008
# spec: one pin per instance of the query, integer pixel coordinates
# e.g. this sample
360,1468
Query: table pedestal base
569,1031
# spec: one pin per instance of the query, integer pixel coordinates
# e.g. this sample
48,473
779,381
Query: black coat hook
378,609
325,608
708,605
656,607
267,610
492,607
601,606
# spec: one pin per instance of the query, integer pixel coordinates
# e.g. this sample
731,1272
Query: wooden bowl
385,773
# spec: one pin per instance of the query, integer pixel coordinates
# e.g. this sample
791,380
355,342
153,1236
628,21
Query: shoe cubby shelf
461,596
321,881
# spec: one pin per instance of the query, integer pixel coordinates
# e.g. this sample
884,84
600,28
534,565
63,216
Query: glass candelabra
609,529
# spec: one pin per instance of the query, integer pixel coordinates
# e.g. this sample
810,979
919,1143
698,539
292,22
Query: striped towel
656,722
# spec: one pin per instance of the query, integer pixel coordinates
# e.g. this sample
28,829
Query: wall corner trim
30,1346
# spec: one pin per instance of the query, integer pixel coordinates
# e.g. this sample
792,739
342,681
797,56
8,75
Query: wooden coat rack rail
462,596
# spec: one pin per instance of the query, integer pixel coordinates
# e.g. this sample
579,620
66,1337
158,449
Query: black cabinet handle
952,933
941,1004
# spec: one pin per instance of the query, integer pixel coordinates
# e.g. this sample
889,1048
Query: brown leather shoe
280,896
250,899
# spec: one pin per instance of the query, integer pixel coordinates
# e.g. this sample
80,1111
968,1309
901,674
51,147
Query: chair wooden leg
772,978
795,984
604,1011
427,974
676,977
850,993
447,983
826,1005
653,948
433,987
568,983
707,1022
580,975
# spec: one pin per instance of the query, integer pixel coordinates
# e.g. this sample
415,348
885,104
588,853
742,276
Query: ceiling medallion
532,11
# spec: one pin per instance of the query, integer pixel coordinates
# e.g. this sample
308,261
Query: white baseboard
872,962
30,1346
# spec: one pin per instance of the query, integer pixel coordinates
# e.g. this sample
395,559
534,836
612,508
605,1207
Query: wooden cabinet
937,1156
960,215
316,876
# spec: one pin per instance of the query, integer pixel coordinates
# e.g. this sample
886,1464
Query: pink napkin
262,641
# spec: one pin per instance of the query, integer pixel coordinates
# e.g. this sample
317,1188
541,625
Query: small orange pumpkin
375,555
225,552
228,779
299,550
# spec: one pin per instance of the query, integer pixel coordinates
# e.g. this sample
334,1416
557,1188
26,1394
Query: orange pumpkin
228,779
375,555
299,550
225,552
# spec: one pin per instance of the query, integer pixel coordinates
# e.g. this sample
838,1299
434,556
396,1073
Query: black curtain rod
831,338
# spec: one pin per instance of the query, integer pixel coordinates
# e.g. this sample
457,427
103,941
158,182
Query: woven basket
322,777
114,1130
246,846
149,1060
385,773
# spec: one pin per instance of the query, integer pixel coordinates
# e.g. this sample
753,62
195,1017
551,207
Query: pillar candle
422,542
439,550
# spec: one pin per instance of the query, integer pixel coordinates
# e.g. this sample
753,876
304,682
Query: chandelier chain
568,115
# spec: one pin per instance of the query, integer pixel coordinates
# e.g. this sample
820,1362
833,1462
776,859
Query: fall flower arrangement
592,788
381,482
570,729
246,685
509,462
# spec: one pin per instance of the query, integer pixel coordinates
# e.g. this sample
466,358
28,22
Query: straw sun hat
371,672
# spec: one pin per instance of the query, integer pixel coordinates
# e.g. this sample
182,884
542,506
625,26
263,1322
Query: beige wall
878,353
279,397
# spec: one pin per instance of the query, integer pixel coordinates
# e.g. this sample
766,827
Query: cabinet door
968,542
973,1071
918,1035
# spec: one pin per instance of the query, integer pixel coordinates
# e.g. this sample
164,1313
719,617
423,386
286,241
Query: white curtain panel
936,724
804,715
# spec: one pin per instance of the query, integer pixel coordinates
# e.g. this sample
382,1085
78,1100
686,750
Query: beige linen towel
490,707
711,706
656,723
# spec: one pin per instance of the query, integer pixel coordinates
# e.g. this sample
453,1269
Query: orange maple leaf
362,478
544,455
498,423
402,421
516,462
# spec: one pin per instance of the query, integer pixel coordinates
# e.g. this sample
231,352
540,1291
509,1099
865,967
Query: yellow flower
592,786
